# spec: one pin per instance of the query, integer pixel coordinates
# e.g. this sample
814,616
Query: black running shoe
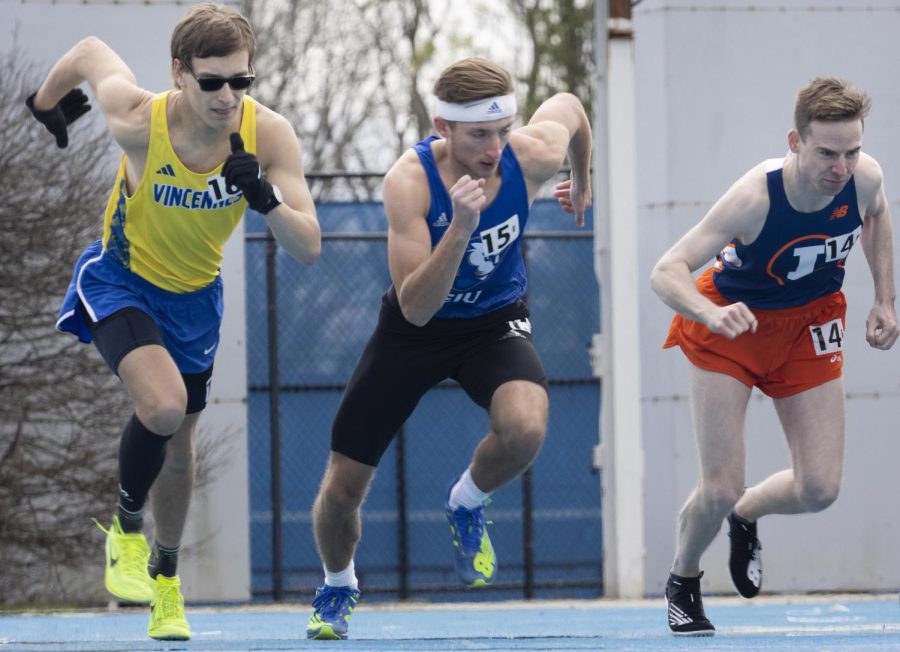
744,562
686,615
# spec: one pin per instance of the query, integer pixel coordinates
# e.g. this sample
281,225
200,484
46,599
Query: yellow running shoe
167,621
127,555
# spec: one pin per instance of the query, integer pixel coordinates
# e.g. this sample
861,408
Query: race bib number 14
828,337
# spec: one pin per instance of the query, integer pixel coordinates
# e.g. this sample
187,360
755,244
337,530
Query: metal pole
601,342
527,497
274,416
402,525
620,9
528,532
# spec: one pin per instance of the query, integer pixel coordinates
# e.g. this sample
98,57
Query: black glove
242,172
67,110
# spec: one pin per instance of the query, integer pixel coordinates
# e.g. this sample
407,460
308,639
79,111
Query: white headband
491,108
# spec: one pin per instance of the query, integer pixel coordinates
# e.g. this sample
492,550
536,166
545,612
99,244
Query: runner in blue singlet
457,205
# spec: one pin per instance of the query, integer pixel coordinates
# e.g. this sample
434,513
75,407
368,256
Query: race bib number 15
828,337
501,236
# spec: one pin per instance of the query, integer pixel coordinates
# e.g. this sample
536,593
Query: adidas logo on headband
484,110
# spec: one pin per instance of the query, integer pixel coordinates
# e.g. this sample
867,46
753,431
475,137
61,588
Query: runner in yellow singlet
149,294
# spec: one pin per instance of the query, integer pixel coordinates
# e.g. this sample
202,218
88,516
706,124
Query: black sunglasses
210,84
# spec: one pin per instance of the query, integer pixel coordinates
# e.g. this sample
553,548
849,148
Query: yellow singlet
172,228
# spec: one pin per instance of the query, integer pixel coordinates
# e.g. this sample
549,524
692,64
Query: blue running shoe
476,563
331,618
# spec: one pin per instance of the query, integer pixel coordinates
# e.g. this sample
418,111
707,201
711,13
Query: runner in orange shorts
792,350
770,314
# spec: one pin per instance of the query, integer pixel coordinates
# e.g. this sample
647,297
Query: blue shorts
189,322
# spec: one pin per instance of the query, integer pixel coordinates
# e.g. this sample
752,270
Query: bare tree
560,37
420,31
346,73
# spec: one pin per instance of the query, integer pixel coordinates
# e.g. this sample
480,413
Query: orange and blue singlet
797,257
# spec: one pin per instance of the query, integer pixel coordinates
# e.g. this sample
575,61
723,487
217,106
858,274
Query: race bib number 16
828,337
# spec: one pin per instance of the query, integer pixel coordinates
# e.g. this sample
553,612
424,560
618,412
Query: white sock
465,493
346,577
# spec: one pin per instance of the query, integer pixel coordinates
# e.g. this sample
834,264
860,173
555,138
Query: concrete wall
715,85
216,560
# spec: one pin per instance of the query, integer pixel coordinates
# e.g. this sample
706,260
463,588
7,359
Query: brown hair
211,30
829,99
472,79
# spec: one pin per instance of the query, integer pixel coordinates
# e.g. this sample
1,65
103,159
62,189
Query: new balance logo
494,108
839,212
441,222
677,616
166,170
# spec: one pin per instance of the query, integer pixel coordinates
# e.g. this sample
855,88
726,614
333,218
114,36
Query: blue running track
820,623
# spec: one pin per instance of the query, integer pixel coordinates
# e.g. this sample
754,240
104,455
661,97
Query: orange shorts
792,350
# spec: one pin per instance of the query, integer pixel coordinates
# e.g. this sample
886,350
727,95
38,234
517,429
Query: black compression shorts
402,361
130,328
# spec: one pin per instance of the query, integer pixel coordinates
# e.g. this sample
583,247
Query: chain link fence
306,327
